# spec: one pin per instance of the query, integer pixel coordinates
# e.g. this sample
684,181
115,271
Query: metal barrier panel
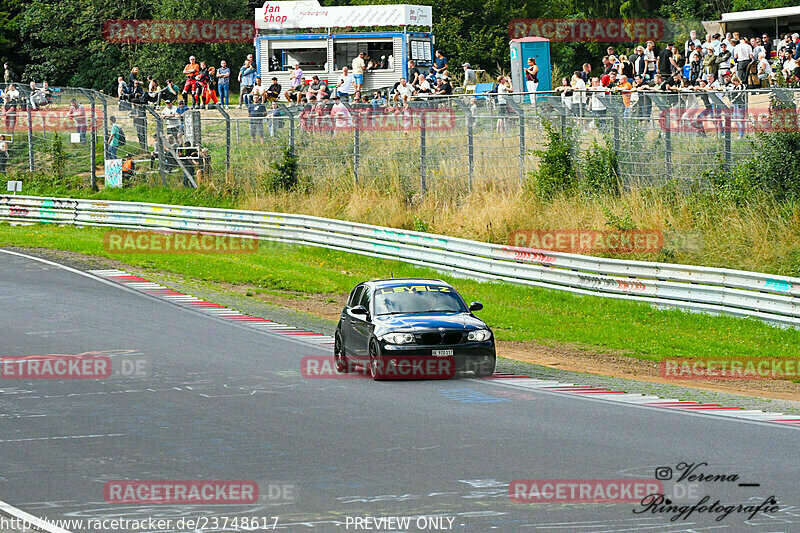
771,298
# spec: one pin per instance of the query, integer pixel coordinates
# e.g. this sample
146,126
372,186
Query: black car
394,322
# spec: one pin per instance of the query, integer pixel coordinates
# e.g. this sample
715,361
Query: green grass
40,185
515,312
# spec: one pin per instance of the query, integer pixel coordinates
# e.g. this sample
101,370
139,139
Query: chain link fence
438,144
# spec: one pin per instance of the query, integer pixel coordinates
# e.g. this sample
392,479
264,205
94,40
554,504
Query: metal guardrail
770,298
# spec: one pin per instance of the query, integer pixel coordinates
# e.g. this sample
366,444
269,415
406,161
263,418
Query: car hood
427,322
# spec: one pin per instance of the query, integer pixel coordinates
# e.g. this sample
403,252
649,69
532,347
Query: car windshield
417,299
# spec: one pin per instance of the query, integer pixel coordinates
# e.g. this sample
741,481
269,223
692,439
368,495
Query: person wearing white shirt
404,91
578,93
503,88
742,54
342,115
764,69
692,39
345,84
10,99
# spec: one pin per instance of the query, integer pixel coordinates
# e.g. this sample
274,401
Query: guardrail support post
356,148
422,184
93,137
159,143
727,133
105,121
30,139
521,113
470,149
227,118
668,150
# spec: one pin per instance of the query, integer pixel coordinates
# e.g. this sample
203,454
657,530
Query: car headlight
398,338
479,335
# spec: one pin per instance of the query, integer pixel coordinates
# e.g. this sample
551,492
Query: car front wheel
485,369
340,360
375,362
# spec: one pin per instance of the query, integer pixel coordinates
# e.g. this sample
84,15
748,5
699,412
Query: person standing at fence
358,71
503,88
650,59
256,111
114,138
742,54
578,93
273,118
140,123
470,78
224,84
10,102
191,70
3,156
723,59
532,79
78,115
596,106
247,78
210,94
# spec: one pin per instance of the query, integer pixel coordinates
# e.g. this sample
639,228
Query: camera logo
663,473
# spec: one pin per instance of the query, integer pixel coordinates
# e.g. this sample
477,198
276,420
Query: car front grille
445,337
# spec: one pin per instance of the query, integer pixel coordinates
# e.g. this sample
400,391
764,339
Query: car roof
401,282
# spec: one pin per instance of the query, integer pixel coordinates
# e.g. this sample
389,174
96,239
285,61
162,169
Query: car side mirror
475,306
359,310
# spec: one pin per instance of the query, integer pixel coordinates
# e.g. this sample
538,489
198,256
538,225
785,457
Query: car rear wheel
375,362
340,360
484,370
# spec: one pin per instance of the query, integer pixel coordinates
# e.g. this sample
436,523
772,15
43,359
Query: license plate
441,352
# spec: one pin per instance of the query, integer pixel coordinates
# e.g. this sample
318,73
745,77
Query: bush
283,173
556,172
600,171
59,157
773,168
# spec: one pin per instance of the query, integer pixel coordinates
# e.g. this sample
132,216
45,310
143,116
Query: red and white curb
210,308
526,382
642,399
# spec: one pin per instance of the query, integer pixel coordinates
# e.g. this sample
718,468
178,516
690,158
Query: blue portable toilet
537,48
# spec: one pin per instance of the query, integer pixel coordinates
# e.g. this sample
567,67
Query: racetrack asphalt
218,401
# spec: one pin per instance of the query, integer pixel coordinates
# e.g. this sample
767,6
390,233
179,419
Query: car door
361,327
348,339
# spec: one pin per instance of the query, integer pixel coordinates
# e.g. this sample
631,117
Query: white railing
767,297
